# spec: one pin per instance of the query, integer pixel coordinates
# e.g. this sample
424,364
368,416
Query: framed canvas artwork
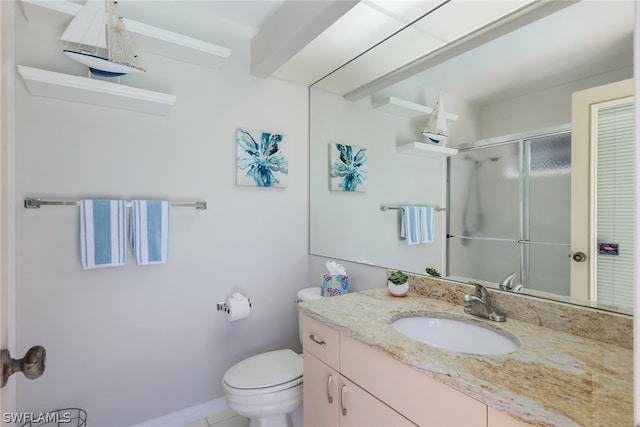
348,167
261,160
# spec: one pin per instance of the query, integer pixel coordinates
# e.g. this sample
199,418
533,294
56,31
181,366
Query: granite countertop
554,378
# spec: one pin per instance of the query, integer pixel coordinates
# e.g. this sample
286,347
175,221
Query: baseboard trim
188,415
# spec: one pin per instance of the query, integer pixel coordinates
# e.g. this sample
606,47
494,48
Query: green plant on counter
432,272
398,278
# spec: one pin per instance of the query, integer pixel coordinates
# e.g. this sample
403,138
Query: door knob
579,257
31,365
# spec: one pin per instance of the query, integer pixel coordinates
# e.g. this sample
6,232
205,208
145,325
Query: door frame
583,206
8,196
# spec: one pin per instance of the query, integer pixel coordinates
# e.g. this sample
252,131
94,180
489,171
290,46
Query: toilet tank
306,294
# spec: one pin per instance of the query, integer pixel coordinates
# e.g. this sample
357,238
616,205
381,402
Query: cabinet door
418,397
319,393
360,409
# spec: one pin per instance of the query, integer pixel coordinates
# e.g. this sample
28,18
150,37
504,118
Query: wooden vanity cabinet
321,341
330,398
423,400
377,390
321,355
320,393
360,409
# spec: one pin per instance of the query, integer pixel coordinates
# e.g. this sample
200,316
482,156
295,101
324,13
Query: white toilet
267,388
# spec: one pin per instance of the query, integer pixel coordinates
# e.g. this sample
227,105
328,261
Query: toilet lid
265,370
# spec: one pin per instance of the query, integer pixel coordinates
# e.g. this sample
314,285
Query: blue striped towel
416,224
102,235
149,231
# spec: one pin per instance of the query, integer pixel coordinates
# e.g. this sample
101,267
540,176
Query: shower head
471,158
480,162
491,159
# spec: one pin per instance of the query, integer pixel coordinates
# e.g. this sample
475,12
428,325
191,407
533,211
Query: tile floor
223,419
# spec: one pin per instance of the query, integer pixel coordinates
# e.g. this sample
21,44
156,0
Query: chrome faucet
480,304
507,283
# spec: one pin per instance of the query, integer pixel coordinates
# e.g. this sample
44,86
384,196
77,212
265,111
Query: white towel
149,231
416,224
102,233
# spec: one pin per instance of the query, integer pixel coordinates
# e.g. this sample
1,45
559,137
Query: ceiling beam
528,14
291,28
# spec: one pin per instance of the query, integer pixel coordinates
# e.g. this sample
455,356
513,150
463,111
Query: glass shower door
547,214
509,211
484,212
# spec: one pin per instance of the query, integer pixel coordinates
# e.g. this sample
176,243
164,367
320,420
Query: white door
7,219
584,247
3,250
33,365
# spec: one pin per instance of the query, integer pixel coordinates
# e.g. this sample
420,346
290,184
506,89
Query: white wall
540,109
133,343
350,225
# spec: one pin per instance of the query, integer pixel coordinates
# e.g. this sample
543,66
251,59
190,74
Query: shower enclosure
510,211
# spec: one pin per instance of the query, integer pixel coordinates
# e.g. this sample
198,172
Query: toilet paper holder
222,306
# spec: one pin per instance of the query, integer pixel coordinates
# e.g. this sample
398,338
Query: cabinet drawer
321,341
418,397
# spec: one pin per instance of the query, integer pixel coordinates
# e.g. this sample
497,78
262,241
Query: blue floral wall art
348,167
261,159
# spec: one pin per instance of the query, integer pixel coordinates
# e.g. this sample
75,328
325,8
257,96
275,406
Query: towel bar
384,208
30,203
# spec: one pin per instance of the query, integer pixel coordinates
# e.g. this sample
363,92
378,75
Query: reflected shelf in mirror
401,107
425,149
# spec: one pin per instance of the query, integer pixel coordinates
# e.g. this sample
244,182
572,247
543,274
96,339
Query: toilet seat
265,373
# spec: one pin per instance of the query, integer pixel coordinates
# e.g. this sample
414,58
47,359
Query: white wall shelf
92,91
146,38
400,107
424,149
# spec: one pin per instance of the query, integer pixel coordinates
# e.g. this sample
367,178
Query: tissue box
333,285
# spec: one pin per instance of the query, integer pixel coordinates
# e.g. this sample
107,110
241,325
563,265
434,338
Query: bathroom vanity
360,371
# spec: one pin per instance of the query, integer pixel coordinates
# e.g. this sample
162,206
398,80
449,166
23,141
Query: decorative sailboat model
436,130
99,26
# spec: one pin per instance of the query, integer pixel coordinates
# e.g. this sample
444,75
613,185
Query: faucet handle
481,291
468,301
480,304
507,282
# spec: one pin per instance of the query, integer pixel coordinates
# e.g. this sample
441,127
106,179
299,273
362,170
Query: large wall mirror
511,90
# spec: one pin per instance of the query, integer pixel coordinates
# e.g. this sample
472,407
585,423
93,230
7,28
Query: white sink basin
455,335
